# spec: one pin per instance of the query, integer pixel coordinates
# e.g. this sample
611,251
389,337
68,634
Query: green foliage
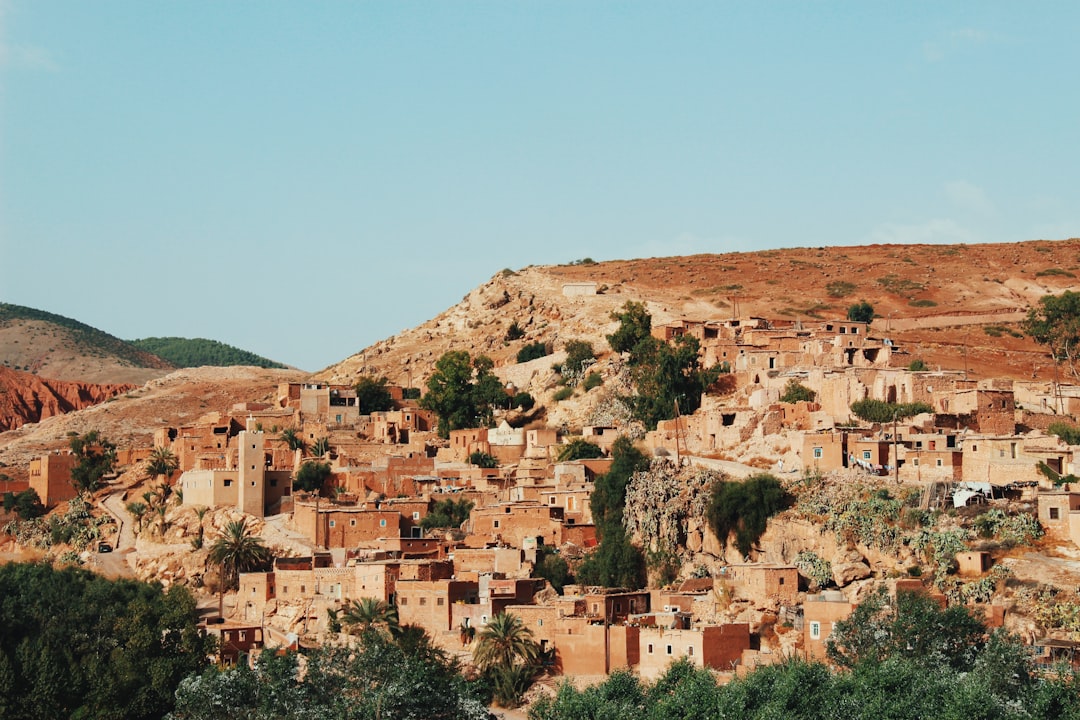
1054,476
371,614
524,401
861,311
840,288
320,447
552,567
86,338
514,332
410,393
448,513
373,395
311,476
76,645
462,391
563,393
162,463
376,678
579,355
580,449
532,351
635,324
96,458
917,365
817,569
507,654
743,509
922,302
1019,529
237,551
914,627
197,352
26,504
592,380
293,439
795,391
483,460
1054,272
880,411
899,286
1066,431
615,562
1056,324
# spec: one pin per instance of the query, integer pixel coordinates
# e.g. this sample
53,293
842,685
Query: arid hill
27,398
953,306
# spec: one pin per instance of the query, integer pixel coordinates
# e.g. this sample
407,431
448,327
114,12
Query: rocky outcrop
26,398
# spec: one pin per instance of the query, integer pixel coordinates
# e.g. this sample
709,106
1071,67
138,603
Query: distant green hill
88,340
196,352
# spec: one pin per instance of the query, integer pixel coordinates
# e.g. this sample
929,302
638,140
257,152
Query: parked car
104,547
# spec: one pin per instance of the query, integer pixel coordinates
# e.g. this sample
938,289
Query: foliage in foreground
379,678
929,663
77,645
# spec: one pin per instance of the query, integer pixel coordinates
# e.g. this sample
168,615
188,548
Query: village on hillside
384,504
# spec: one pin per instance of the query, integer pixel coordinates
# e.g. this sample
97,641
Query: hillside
197,352
955,307
26,398
56,347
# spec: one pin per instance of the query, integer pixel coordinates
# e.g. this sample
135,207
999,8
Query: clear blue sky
301,179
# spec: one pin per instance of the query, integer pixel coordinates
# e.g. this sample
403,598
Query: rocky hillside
952,306
54,346
26,398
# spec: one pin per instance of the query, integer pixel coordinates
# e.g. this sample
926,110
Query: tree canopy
1056,324
237,551
861,311
463,391
76,645
579,449
742,509
880,411
449,513
795,391
96,458
311,476
197,352
373,394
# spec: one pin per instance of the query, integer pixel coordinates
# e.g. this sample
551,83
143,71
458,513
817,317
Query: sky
302,179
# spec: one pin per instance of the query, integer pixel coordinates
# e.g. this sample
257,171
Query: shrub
514,332
1066,431
795,391
861,311
524,401
580,449
742,509
562,394
592,380
532,351
881,412
839,288
311,476
579,354
917,365
922,303
482,459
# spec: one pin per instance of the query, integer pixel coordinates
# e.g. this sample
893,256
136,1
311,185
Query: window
781,580
865,454
916,462
404,600
540,622
668,649
650,648
440,601
815,630
974,448
416,515
690,651
496,523
228,483
819,452
423,601
382,523
551,500
1054,513
333,523
939,462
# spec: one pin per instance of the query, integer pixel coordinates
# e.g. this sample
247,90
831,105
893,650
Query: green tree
795,392
1055,322
483,460
532,351
914,627
76,645
1066,431
26,504
861,311
506,652
371,614
237,551
742,509
373,394
880,411
579,355
311,476
635,325
138,511
447,513
293,440
579,449
917,365
462,391
95,458
162,463
320,447
552,567
616,562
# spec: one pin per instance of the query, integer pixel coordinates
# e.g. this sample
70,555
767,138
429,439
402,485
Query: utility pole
678,417
896,452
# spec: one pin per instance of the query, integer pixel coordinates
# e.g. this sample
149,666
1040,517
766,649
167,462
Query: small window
228,483
815,631
974,448
440,601
496,523
540,622
916,462
781,580
939,462
819,452
865,454
690,651
352,523
333,523
650,648
382,523
1054,513
404,600
423,601
668,649
416,515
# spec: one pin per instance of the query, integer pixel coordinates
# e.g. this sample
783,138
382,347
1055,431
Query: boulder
847,573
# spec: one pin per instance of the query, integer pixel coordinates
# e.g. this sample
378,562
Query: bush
580,449
524,401
532,351
1066,431
882,412
742,509
482,459
861,312
592,380
562,394
795,391
578,354
514,332
448,513
839,288
917,365
311,476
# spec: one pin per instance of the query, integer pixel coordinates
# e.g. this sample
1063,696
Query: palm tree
162,462
137,510
368,613
320,447
238,551
293,439
505,642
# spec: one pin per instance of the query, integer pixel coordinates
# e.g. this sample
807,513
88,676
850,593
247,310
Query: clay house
203,445
935,457
541,442
465,442
871,453
973,563
469,563
615,606
603,436
824,451
718,647
506,444
776,583
430,603
341,526
579,472
584,646
1059,513
986,411
246,482
1012,458
236,641
496,594
321,402
511,523
50,478
820,614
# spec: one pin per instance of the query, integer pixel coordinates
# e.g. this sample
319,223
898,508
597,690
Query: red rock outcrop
26,398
